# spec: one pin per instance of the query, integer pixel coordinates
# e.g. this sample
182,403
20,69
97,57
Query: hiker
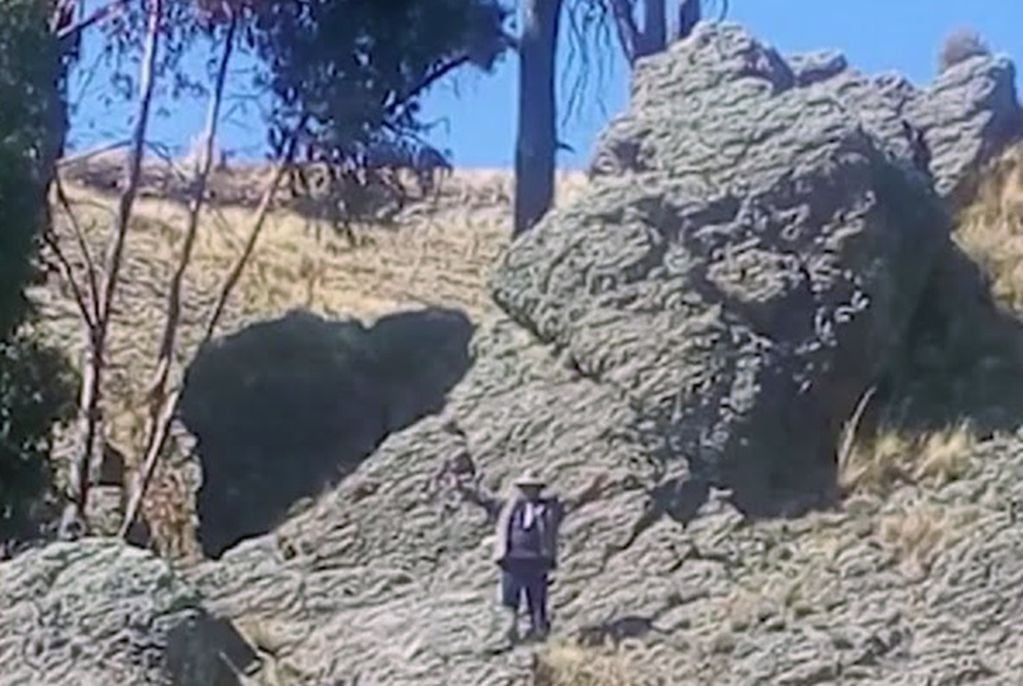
526,550
526,544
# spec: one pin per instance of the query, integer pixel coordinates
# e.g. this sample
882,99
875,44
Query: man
526,533
526,550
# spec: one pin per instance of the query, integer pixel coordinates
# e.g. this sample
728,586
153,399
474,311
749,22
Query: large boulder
95,613
748,270
694,329
284,409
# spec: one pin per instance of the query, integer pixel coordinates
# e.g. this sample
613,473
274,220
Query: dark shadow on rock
287,408
189,662
963,359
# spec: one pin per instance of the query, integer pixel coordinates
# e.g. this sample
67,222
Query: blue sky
475,112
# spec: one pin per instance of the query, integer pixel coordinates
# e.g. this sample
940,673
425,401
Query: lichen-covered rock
709,311
813,67
752,273
96,613
967,116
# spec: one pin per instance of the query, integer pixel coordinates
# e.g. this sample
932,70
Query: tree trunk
689,14
92,378
162,404
655,27
536,146
629,36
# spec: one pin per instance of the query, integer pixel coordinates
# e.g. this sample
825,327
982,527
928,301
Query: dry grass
892,456
569,664
918,535
438,253
915,537
970,365
990,230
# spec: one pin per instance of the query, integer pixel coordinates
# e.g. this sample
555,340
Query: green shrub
32,124
37,389
36,384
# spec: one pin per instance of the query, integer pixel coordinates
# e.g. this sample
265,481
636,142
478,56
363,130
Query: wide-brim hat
530,478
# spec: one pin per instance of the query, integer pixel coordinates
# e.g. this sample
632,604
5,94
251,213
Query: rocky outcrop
693,330
748,273
754,241
286,408
967,117
96,613
947,129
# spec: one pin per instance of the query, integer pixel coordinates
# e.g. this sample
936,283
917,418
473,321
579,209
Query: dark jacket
548,524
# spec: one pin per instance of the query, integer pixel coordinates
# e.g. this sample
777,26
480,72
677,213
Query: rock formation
96,613
696,327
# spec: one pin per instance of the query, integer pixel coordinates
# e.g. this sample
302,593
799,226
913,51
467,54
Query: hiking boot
538,635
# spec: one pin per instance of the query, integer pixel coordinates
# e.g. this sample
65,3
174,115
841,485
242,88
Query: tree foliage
354,71
359,67
36,385
31,130
37,388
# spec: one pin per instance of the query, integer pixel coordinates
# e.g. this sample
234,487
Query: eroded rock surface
96,613
746,275
755,239
967,116
693,329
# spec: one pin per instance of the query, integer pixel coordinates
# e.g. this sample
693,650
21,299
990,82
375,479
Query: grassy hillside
960,382
437,252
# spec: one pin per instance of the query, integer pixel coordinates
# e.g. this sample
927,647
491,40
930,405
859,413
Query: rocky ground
692,333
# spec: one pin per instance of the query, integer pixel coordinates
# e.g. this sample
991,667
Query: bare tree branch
89,154
628,32
162,405
724,10
68,273
427,81
89,402
259,220
100,15
83,247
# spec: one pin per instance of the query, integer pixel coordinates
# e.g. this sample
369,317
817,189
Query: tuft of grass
893,456
959,46
990,229
571,664
944,455
914,536
917,535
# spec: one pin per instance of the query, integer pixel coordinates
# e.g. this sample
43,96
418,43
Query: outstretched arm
459,474
477,494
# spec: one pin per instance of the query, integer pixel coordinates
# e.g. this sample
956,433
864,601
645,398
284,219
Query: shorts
524,578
